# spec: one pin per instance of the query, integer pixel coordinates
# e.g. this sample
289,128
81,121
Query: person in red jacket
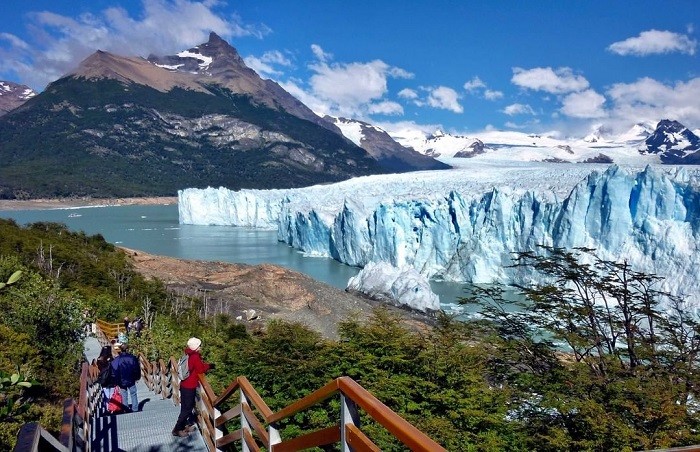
188,387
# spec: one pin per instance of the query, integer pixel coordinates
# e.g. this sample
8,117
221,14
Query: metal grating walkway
147,430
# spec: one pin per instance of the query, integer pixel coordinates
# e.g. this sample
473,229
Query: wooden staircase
246,420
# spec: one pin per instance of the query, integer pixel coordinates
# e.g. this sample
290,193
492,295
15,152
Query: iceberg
399,286
464,225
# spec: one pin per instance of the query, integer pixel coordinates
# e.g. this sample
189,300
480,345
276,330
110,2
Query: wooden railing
77,425
257,424
255,433
106,331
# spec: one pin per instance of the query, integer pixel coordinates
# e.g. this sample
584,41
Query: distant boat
75,215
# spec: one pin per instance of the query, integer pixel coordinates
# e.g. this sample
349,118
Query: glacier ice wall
650,218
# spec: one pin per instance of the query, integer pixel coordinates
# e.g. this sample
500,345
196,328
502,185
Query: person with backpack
190,367
127,371
105,377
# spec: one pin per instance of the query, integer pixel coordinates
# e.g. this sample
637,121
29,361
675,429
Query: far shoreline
68,203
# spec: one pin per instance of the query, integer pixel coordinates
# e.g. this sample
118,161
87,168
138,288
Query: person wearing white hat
188,386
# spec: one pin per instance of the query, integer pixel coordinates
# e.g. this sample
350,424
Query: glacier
464,225
399,286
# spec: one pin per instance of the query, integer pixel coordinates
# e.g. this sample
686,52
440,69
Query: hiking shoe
181,433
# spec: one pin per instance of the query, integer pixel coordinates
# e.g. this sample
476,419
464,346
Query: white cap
193,343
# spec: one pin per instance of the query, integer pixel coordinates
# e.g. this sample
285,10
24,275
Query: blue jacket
126,370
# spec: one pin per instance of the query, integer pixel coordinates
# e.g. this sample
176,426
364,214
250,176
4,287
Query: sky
459,66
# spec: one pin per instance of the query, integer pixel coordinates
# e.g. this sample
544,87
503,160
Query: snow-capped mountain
464,224
438,144
379,144
670,142
673,142
638,133
12,95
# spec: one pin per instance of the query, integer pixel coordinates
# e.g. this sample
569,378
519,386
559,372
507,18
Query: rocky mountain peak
380,145
216,62
106,65
12,95
672,141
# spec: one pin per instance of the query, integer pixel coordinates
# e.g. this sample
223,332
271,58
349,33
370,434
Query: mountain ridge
122,126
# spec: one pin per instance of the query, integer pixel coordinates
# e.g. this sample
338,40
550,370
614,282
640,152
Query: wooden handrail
210,404
395,424
312,399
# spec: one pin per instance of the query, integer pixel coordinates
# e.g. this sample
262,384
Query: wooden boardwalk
147,430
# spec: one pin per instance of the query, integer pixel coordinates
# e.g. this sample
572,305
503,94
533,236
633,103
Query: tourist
105,376
188,387
127,372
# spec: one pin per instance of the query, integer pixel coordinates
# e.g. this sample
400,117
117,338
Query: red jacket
196,366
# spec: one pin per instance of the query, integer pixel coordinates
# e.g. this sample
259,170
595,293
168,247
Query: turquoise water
155,230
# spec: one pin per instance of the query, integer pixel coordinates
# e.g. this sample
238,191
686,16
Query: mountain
379,144
123,126
217,62
669,143
674,143
13,95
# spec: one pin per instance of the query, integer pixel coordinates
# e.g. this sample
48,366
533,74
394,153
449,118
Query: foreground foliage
588,362
597,358
53,282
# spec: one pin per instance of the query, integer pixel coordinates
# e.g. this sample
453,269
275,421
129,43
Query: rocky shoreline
272,291
65,203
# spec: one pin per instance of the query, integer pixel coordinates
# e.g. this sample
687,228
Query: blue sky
463,66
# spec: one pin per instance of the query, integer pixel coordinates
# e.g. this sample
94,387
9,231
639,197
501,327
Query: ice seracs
465,225
399,286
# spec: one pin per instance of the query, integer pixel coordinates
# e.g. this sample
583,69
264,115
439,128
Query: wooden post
245,426
348,415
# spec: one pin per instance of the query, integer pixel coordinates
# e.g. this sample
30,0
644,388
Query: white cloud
385,108
559,81
492,95
320,54
518,109
474,84
655,42
264,65
317,105
14,41
408,93
60,42
352,90
351,84
650,100
397,72
586,104
444,98
477,86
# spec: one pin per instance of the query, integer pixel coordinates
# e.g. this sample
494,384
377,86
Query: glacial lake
156,230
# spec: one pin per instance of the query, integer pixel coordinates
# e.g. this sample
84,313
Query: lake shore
66,203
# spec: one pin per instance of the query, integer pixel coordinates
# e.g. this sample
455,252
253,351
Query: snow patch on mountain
204,61
352,130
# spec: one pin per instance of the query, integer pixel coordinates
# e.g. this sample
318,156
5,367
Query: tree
597,356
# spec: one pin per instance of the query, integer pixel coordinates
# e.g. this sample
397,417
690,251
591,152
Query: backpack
183,368
105,376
